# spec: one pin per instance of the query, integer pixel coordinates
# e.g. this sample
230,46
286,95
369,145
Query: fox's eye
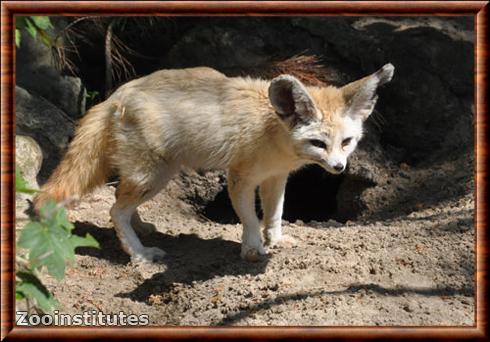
318,143
346,141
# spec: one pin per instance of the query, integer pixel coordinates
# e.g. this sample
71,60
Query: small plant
46,242
92,96
36,26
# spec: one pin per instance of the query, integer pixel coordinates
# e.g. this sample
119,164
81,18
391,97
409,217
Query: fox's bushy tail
86,163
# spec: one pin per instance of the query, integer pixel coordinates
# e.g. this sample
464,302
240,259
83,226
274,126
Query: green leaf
19,295
31,28
91,94
30,236
42,22
62,220
30,286
48,246
36,26
44,37
50,241
17,37
87,241
48,210
21,184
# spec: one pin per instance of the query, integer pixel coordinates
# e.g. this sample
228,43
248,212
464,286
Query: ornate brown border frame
478,9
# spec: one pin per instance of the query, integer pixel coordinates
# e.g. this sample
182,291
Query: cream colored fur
258,130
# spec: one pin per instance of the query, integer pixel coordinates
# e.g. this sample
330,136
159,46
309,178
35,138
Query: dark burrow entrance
311,195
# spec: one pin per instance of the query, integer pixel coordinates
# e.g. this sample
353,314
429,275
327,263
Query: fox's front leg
242,195
272,201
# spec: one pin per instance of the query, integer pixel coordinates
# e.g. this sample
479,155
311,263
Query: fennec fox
258,130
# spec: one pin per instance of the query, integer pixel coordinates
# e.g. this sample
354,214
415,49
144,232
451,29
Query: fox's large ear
289,98
361,95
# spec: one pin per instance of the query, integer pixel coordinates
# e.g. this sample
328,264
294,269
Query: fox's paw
147,269
253,253
148,254
284,241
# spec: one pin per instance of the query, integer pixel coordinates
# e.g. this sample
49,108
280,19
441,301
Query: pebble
407,308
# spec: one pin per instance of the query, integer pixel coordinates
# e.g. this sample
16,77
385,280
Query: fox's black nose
339,167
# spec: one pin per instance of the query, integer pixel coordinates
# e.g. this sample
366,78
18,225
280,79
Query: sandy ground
411,268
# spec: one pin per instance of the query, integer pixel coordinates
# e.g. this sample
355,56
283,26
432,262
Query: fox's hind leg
130,195
141,226
137,223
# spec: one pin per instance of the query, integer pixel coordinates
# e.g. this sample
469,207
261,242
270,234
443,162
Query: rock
28,158
50,127
430,104
66,92
333,223
36,73
219,47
